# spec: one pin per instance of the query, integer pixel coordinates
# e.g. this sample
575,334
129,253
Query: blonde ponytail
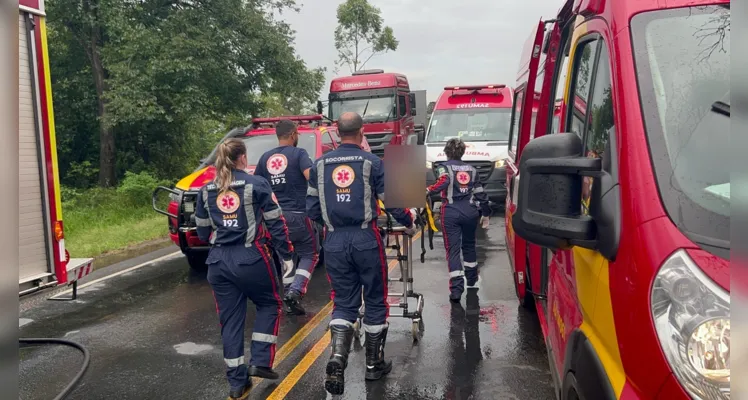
228,153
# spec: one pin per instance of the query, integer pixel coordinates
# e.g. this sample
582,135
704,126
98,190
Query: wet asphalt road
153,333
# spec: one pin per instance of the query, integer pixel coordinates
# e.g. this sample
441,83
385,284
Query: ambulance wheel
196,259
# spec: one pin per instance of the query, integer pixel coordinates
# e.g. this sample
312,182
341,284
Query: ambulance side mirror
412,99
549,200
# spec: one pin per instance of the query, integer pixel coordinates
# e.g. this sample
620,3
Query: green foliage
360,34
177,75
136,189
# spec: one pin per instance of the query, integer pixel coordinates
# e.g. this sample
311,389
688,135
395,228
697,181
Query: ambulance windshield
471,125
683,65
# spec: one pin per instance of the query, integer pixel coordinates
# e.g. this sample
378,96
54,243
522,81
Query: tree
165,78
360,35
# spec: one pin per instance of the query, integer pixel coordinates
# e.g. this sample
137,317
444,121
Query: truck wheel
197,259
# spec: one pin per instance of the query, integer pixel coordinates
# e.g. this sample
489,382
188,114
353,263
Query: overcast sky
442,42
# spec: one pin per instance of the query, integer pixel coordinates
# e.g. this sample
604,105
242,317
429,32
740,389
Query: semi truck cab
384,101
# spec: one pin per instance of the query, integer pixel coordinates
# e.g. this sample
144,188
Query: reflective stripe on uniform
366,175
207,210
341,322
380,196
303,273
264,337
321,189
451,187
455,274
250,215
310,191
470,264
234,362
374,328
202,222
273,214
478,189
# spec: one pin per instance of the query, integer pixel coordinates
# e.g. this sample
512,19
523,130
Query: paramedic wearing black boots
464,203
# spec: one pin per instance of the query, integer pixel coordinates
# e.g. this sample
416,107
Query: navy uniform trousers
355,258
303,236
236,274
460,221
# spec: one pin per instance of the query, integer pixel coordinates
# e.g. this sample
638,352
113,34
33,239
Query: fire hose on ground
33,342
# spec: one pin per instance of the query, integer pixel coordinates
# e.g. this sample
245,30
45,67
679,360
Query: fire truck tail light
691,315
59,233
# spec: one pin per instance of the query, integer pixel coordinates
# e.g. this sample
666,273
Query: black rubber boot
376,365
241,393
263,372
341,337
293,303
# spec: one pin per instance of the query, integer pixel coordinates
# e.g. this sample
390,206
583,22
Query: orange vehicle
315,136
618,216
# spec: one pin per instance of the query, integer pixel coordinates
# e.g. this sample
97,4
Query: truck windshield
683,67
371,109
471,125
258,145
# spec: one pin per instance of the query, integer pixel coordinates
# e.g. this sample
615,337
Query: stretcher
398,240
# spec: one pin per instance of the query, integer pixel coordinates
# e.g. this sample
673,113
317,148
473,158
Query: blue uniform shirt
458,182
284,168
243,215
344,186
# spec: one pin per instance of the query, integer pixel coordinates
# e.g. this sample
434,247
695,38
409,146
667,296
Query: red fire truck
316,136
43,260
384,101
618,216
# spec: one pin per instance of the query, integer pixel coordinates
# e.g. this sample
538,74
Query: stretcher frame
394,233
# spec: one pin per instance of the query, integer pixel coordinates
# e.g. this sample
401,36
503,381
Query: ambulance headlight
691,315
429,164
500,163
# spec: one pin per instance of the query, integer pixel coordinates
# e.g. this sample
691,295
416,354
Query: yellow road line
301,334
303,366
290,381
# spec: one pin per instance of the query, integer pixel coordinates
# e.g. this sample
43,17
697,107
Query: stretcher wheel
417,329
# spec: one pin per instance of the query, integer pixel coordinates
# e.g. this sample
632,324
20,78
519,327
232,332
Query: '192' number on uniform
344,198
231,223
277,181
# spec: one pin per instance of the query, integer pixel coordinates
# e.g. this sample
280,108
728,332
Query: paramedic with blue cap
464,203
236,213
286,168
344,186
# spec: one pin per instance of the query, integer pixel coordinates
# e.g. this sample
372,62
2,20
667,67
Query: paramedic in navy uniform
344,186
463,203
286,168
236,214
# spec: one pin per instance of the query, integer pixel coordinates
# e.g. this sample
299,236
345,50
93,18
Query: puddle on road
191,349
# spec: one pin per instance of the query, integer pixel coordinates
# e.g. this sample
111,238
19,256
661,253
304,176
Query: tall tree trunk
106,136
107,176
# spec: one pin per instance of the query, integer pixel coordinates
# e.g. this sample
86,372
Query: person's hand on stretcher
413,228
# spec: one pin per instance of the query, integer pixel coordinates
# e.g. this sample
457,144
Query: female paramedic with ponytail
234,213
463,203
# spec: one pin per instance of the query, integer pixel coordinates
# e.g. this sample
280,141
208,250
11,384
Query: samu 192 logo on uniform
277,164
342,176
228,202
463,178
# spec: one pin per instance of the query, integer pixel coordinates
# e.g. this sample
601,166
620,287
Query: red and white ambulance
479,115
